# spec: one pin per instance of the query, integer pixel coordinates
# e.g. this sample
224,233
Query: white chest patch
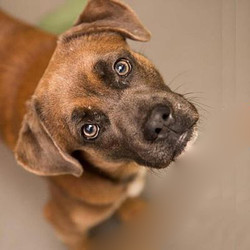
136,187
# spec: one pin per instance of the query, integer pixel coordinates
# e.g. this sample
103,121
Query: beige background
199,46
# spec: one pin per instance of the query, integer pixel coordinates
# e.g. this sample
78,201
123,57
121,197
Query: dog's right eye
123,67
90,131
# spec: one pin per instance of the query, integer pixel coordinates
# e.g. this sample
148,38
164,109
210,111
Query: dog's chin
162,159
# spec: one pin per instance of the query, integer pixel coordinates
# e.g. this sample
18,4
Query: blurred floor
199,46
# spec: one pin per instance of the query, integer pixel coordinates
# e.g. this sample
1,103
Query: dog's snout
159,118
163,120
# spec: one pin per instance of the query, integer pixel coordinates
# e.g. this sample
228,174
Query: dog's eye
123,67
90,131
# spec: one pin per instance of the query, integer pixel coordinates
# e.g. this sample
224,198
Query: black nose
163,121
158,121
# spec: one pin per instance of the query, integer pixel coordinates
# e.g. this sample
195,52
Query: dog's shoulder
24,55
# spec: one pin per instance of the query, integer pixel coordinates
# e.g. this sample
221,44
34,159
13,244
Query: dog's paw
131,209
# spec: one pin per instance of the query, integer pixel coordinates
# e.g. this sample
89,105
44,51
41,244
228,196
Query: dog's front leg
72,218
65,228
60,211
134,205
132,209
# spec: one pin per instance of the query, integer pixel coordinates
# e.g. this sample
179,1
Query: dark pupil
89,129
121,68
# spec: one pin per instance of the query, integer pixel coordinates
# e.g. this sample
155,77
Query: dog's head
102,99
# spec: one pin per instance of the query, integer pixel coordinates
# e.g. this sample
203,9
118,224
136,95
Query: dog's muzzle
163,123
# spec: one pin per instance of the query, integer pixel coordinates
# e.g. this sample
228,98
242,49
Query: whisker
193,93
175,77
180,86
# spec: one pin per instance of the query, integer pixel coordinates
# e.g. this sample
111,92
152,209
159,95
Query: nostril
165,116
156,123
158,130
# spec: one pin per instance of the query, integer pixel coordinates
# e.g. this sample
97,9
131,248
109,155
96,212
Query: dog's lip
182,138
182,141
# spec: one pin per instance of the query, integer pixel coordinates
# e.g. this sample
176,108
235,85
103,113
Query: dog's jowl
88,112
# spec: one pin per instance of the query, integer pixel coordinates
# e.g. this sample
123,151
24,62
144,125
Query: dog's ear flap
38,153
108,15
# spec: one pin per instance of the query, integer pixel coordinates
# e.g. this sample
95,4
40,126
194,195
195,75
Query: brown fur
47,142
76,204
25,53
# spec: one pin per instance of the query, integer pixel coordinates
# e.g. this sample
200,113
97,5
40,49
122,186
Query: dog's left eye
123,67
90,131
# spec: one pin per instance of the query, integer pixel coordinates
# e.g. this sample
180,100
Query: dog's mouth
185,141
163,152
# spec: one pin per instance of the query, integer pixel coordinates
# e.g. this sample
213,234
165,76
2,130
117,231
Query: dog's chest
136,186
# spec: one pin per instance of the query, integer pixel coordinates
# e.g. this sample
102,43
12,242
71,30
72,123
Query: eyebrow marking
78,114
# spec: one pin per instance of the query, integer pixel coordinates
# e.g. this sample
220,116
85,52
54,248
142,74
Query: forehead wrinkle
84,103
95,43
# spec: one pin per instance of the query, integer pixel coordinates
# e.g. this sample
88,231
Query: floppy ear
108,15
38,153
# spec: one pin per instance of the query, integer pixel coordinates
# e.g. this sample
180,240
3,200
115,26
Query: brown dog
99,113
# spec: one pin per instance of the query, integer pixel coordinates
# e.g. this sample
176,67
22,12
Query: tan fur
76,204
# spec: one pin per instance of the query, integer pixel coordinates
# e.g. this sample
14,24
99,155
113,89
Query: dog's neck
122,172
